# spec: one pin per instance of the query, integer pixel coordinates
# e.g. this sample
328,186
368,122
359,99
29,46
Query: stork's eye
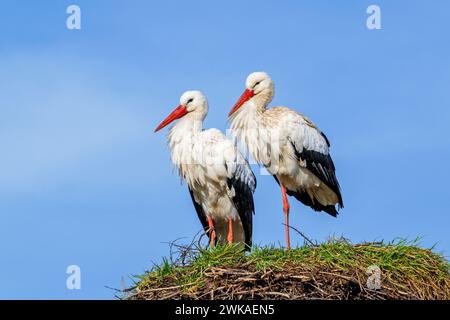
190,100
257,84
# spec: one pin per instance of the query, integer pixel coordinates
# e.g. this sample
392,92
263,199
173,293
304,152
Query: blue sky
85,181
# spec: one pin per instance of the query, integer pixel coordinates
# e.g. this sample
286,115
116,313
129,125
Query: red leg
230,231
212,232
286,208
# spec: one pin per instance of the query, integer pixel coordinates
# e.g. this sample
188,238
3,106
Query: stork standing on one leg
220,181
289,145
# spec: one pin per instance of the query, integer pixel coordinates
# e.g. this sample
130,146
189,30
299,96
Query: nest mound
333,270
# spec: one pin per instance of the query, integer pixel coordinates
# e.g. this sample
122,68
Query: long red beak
248,94
176,114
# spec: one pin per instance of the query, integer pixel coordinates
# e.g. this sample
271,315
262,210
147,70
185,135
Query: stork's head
257,83
192,103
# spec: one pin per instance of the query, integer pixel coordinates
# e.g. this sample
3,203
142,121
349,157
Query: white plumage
289,145
219,178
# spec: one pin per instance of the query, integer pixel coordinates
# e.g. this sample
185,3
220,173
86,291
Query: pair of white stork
220,180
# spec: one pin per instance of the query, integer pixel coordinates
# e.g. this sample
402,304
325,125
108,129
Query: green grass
404,265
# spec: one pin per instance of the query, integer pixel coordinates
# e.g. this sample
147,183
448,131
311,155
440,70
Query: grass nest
336,269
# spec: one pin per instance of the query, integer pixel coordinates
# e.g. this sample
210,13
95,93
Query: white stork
220,181
289,145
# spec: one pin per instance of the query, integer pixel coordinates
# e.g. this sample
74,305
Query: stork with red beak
220,181
289,145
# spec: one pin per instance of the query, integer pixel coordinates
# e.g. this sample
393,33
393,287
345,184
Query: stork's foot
212,238
212,233
230,231
286,208
288,237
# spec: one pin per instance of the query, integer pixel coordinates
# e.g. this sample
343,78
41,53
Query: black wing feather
326,139
201,213
322,166
304,198
243,200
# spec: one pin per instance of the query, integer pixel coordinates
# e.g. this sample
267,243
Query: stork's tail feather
304,198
